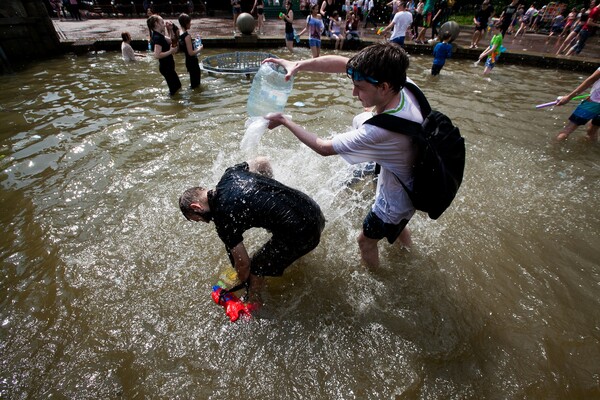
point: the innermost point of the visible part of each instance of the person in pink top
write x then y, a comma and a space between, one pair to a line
586, 31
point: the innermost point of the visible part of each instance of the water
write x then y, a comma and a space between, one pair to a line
106, 287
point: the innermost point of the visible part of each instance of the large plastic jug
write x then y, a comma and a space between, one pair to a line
269, 91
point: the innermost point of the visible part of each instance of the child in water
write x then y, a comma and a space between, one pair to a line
441, 51
493, 51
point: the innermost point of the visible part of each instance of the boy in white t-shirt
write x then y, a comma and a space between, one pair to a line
587, 112
401, 22
378, 74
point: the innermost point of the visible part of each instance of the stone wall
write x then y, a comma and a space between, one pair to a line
26, 33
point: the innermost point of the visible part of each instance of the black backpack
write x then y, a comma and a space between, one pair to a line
440, 162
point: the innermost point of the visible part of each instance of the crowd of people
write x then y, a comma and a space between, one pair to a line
570, 29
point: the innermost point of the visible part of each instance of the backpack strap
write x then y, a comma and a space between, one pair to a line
403, 125
423, 102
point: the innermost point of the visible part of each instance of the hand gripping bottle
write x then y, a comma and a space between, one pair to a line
269, 91
281, 15
198, 42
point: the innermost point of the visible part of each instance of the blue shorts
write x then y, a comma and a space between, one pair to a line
581, 39
289, 36
398, 40
314, 43
375, 228
586, 111
489, 63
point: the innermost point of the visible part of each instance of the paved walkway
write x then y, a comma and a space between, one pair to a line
218, 31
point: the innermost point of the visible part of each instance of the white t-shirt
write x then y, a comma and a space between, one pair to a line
402, 21
393, 151
127, 52
595, 93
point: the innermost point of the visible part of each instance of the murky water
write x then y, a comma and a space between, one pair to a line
106, 287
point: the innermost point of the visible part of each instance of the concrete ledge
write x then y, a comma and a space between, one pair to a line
534, 59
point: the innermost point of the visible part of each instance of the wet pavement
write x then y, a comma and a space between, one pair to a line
532, 49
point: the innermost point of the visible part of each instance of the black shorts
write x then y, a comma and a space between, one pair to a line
375, 228
281, 251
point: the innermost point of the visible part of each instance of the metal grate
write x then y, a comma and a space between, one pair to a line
239, 62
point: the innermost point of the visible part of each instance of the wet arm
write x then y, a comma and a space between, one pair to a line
488, 51
241, 261
581, 88
320, 146
158, 53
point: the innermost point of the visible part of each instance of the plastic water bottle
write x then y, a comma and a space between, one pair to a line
269, 91
149, 46
198, 42
296, 37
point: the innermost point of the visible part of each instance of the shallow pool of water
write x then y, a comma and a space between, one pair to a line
106, 287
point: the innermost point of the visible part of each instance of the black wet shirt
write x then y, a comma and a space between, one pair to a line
244, 200
159, 38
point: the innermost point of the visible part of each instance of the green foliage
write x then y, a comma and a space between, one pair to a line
463, 19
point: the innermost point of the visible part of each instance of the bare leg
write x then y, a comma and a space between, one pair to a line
421, 37
404, 240
475, 39
567, 130
592, 132
369, 252
314, 50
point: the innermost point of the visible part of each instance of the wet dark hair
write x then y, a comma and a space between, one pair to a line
184, 21
191, 195
125, 36
386, 62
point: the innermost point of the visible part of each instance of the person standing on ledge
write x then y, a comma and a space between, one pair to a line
247, 197
378, 74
